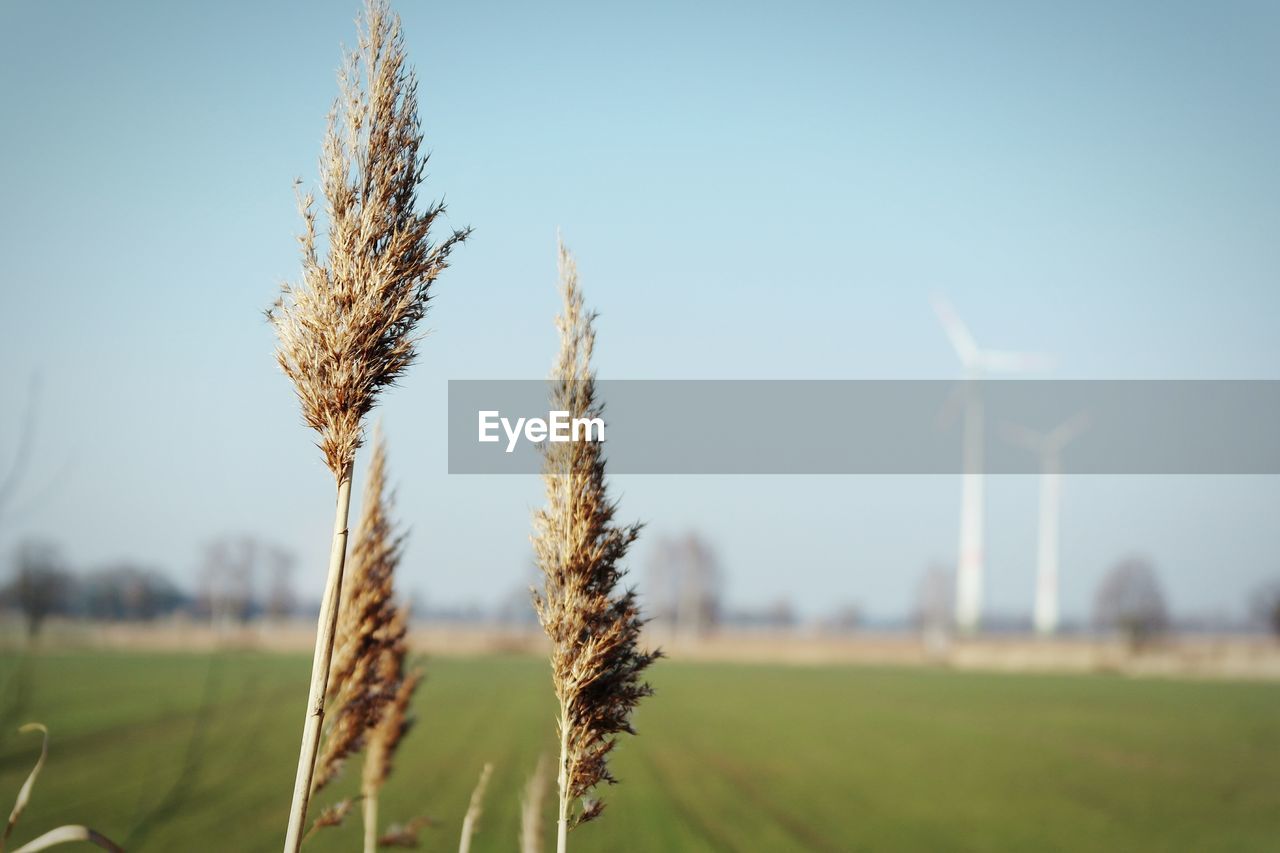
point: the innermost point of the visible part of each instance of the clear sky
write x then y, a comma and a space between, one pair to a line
753, 191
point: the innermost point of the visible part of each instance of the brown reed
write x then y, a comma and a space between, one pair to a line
383, 741
346, 330
594, 627
404, 835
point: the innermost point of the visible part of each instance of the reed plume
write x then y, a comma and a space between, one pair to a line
369, 689
331, 815
594, 627
346, 330
403, 835
383, 741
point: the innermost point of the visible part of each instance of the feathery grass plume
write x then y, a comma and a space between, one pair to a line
61, 835
331, 815
594, 628
347, 329
474, 809
383, 741
531, 806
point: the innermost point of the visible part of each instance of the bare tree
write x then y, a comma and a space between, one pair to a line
780, 614
244, 577
1264, 606
687, 585
1130, 601
227, 580
281, 598
845, 619
41, 586
128, 592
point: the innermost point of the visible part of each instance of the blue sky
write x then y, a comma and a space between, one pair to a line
753, 191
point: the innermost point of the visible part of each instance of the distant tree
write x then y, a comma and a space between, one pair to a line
685, 585
1130, 600
1264, 606
127, 592
281, 601
846, 619
226, 590
41, 586
515, 608
233, 569
781, 614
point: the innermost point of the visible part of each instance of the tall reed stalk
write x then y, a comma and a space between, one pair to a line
594, 627
346, 330
369, 689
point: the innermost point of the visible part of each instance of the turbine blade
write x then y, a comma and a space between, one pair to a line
957, 332
1013, 362
1066, 432
1022, 436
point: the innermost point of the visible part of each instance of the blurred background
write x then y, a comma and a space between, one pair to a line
753, 191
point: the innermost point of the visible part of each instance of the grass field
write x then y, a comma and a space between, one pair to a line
192, 753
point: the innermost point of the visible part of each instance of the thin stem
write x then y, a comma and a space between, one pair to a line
371, 820
326, 628
473, 810
562, 782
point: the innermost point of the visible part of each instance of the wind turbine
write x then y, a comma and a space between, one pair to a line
1048, 446
977, 363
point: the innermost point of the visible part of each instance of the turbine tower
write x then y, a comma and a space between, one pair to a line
977, 363
1048, 446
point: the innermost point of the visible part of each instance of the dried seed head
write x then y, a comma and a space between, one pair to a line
594, 627
404, 835
346, 330
386, 736
332, 815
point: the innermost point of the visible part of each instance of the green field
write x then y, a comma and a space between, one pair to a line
191, 753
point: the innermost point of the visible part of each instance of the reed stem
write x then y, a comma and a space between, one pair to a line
326, 628
371, 820
562, 784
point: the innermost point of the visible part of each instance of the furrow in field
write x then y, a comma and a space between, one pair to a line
682, 799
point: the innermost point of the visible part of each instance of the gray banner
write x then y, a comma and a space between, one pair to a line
889, 426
